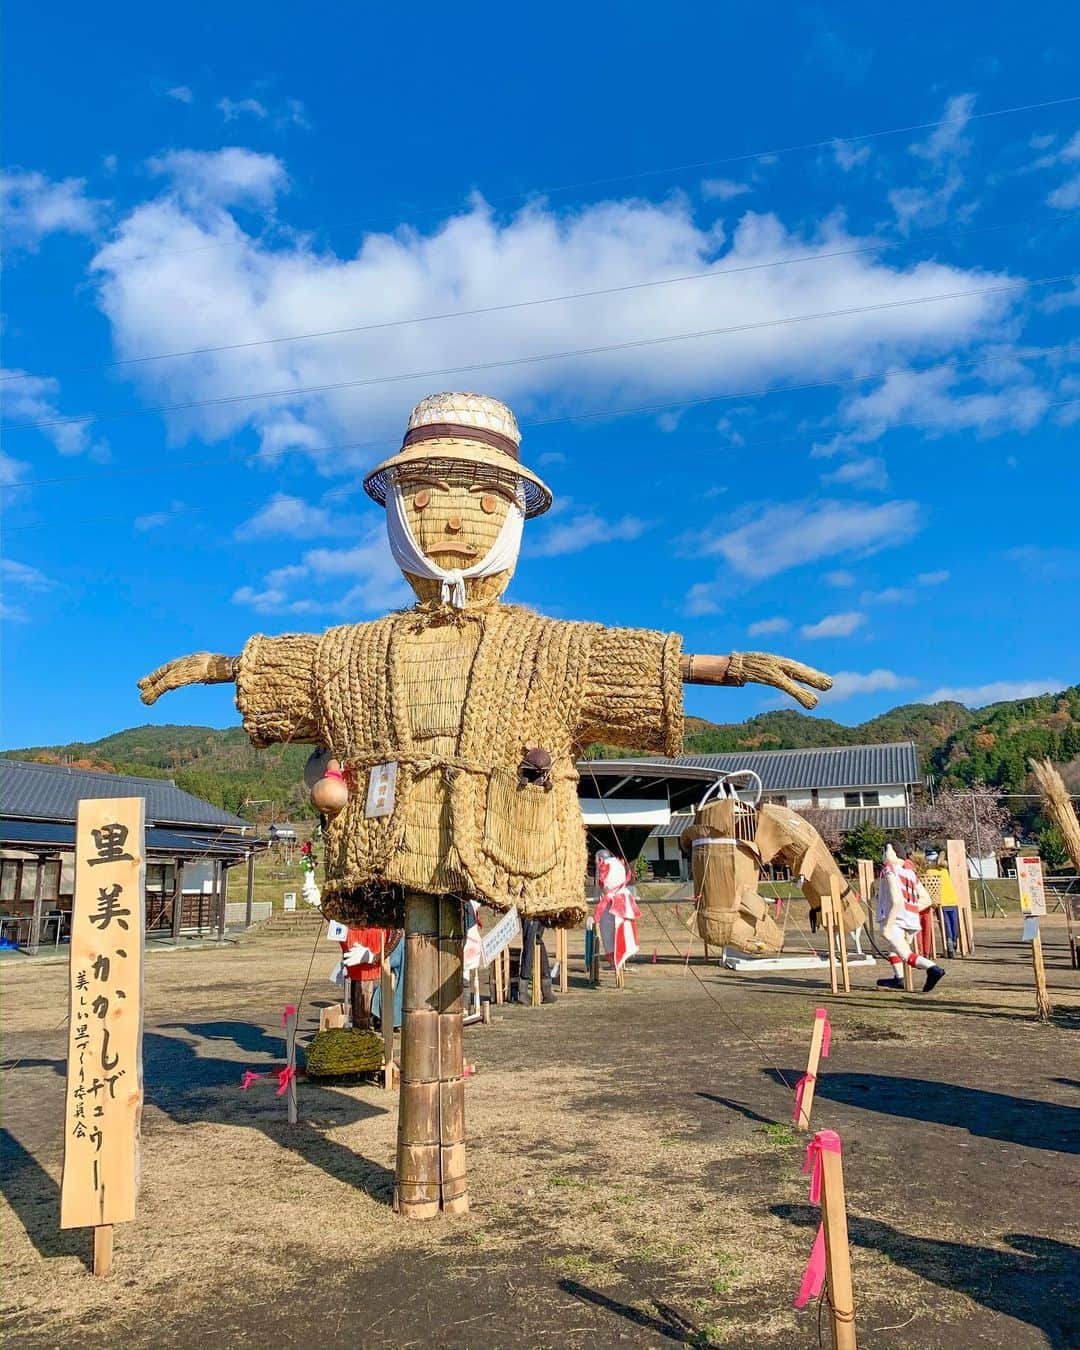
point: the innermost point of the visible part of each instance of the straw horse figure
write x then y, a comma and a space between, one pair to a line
457, 724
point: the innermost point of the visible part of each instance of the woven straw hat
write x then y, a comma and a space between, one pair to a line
470, 428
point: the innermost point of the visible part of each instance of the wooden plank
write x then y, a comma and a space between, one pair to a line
221, 889
866, 889
534, 970
178, 901
837, 1252
830, 943
249, 917
1042, 997
837, 909
564, 971
956, 852
104, 1081
35, 922
103, 1249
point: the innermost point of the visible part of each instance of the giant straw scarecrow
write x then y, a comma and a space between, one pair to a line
457, 724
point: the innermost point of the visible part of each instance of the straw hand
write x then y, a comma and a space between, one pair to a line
757, 668
199, 668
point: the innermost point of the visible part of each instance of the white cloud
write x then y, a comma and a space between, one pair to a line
940, 400
151, 521
11, 470
782, 537
291, 516
848, 155
929, 202
997, 691
380, 585
1067, 195
239, 289
947, 139
31, 398
891, 595
702, 598
847, 683
34, 206
840, 578
869, 472
181, 93
231, 109
551, 457
834, 625
932, 578
23, 575
764, 626
230, 177
584, 531
723, 189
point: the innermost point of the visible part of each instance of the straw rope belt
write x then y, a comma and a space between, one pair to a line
424, 764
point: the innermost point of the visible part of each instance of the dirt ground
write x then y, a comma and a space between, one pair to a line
635, 1178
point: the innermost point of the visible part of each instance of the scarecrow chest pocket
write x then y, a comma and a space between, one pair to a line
521, 829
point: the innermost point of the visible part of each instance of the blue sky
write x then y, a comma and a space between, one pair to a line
888, 492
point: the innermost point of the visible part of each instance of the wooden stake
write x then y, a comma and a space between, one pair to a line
830, 930
1042, 997
866, 889
837, 909
562, 948
103, 1249
290, 1060
837, 1252
495, 979
817, 1037
534, 990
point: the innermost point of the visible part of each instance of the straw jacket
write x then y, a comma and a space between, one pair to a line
533, 682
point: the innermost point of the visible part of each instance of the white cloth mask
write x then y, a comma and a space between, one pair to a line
501, 557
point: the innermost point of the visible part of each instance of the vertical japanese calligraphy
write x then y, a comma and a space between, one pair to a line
104, 1075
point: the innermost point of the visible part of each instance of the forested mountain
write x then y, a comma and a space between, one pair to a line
958, 745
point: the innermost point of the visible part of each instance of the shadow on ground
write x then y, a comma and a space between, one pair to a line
1037, 1281
991, 1115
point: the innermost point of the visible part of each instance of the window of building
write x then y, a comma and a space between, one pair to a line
853, 799
868, 798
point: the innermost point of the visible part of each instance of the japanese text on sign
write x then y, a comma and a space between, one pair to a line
104, 1077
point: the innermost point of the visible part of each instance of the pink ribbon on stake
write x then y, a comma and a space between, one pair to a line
800, 1088
289, 1008
284, 1078
249, 1077
825, 1141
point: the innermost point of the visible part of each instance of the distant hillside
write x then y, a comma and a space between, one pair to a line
957, 745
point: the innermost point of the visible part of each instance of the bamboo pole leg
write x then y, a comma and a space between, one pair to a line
416, 1173
453, 1183
103, 1249
534, 984
837, 1252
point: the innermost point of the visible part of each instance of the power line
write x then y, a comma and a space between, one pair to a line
600, 414
877, 247
512, 362
637, 175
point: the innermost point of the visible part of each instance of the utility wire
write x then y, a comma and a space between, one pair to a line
707, 275
1035, 353
639, 174
512, 362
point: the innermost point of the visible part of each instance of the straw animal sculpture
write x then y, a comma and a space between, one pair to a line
1059, 806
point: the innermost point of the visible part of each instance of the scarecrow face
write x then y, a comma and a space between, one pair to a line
455, 512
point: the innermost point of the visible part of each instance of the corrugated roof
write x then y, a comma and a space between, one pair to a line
52, 792
60, 835
841, 766
888, 817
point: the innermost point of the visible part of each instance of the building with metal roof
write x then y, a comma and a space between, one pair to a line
642, 805
190, 847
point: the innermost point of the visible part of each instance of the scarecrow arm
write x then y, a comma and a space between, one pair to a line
200, 668
757, 668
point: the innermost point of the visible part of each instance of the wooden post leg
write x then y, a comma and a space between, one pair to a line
534, 986
837, 1252
430, 1172
837, 909
564, 973
830, 940
1042, 997
103, 1249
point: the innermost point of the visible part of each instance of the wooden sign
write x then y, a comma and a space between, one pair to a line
104, 1078
500, 935
1029, 875
956, 852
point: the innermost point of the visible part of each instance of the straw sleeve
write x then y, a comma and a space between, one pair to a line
633, 693
275, 688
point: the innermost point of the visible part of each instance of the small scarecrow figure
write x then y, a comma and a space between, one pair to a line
456, 726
